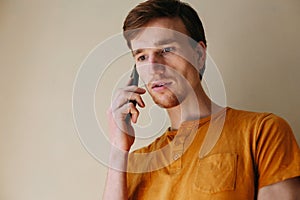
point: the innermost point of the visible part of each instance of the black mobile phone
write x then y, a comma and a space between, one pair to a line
135, 76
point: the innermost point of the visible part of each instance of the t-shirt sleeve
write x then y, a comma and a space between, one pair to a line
277, 153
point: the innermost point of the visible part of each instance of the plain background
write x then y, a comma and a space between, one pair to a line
42, 44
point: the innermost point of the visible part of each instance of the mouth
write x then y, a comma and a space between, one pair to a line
160, 85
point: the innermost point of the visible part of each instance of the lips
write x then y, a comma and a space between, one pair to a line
160, 84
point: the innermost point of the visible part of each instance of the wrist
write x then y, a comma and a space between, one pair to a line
118, 159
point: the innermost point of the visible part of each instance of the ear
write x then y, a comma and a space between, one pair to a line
201, 55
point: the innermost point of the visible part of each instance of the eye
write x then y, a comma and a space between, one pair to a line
168, 49
141, 58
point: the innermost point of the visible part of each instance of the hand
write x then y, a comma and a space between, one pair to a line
121, 131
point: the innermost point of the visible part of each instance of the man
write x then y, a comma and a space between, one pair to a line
209, 152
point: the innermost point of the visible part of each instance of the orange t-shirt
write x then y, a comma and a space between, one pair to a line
254, 150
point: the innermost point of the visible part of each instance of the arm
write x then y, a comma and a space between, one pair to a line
278, 159
122, 138
287, 190
116, 181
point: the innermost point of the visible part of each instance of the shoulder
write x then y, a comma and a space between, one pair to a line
274, 149
261, 132
247, 115
258, 120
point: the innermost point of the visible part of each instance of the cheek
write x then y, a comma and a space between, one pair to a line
143, 74
189, 56
189, 76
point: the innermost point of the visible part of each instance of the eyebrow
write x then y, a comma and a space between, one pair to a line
158, 43
166, 41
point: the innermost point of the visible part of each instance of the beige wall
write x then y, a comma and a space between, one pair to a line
42, 44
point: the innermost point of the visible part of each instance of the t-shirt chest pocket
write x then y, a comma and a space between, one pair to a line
216, 173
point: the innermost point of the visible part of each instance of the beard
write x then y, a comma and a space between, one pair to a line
168, 98
176, 88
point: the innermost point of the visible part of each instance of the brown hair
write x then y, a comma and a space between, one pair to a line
151, 9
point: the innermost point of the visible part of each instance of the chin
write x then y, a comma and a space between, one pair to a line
166, 102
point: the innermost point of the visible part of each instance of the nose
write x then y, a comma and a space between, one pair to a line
156, 68
156, 63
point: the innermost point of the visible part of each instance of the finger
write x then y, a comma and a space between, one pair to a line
134, 113
121, 118
135, 95
126, 110
124, 97
134, 88
131, 114
136, 98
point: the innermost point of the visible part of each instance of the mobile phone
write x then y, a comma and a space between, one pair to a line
135, 76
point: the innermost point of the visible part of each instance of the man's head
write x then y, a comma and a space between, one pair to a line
151, 9
168, 42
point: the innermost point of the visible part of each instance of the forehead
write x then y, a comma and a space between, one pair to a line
159, 32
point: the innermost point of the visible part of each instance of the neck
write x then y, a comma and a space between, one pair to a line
192, 108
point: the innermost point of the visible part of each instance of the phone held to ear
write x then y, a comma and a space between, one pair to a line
135, 81
135, 76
